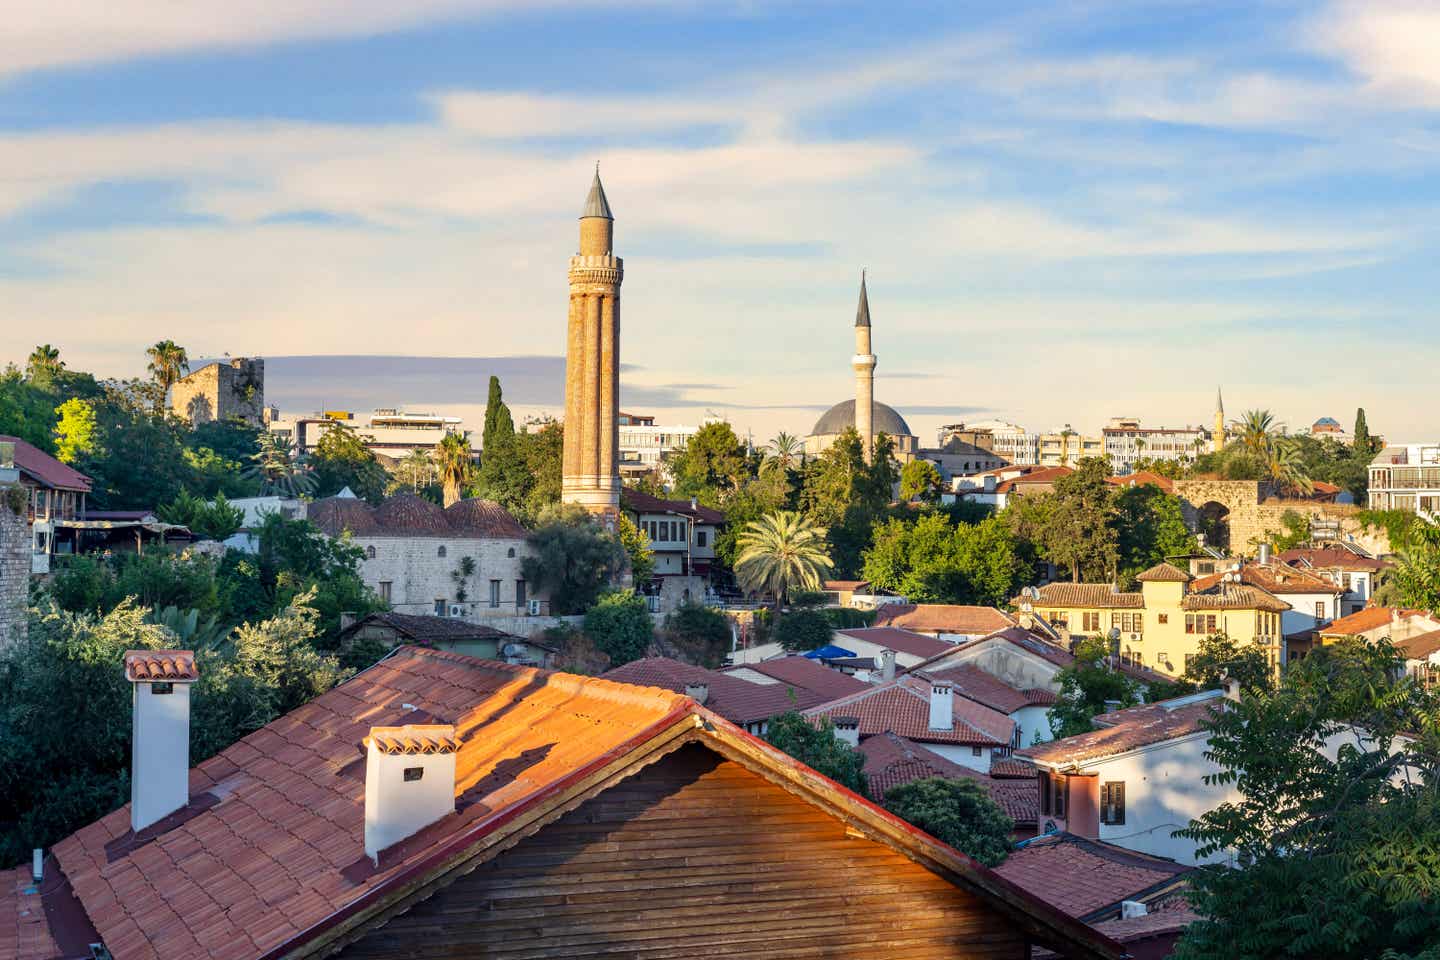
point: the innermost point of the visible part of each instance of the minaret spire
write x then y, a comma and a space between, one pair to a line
1217, 438
864, 364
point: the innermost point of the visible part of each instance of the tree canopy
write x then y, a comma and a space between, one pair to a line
573, 558
959, 812
815, 745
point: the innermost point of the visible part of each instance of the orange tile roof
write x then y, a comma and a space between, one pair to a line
24, 931
1101, 595
1363, 621
1141, 478
970, 681
414, 738
1130, 729
1420, 647
1164, 572
1043, 475
1085, 877
142, 665
1233, 596
903, 706
1336, 558
943, 618
269, 859
734, 698
1274, 578
895, 638
805, 674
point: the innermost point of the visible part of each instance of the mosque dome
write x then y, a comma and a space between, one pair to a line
842, 415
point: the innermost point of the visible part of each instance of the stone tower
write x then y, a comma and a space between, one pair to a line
592, 364
864, 364
1217, 439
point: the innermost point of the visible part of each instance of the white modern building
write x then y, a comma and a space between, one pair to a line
1126, 441
387, 432
645, 445
1406, 477
682, 541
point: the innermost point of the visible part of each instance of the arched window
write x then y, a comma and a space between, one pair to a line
370, 553
510, 553
440, 552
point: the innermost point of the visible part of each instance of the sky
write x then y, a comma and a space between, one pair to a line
1068, 211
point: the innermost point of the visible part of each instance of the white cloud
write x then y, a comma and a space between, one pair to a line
1393, 44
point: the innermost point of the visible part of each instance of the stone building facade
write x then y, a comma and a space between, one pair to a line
414, 557
591, 461
14, 560
221, 390
1235, 515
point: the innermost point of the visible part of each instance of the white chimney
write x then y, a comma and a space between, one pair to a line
409, 782
1232, 689
699, 692
847, 730
1264, 553
1130, 909
990, 483
942, 706
160, 732
887, 665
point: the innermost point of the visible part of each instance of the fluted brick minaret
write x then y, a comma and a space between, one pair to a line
1217, 439
592, 363
864, 364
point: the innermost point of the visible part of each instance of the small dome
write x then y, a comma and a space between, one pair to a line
406, 513
842, 415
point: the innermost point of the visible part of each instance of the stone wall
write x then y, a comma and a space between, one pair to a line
419, 575
1252, 519
219, 391
14, 571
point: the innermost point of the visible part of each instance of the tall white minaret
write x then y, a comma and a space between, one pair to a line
864, 364
1217, 439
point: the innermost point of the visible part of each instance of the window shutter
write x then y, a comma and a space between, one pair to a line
1112, 803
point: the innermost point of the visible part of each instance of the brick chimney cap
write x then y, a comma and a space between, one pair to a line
148, 666
414, 738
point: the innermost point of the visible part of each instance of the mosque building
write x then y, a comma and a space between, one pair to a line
867, 415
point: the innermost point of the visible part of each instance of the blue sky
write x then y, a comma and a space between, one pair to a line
1068, 211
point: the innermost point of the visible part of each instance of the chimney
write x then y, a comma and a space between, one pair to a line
699, 692
1232, 689
160, 732
409, 782
887, 665
1264, 553
847, 730
694, 503
942, 706
989, 483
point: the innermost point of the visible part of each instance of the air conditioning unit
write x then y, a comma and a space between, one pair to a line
457, 610
653, 603
534, 608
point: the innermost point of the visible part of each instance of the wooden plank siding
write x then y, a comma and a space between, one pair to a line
695, 856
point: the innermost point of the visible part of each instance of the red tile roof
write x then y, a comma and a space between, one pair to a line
160, 665
1420, 647
943, 618
45, 469
737, 700
1100, 595
1363, 621
1043, 475
1274, 578
805, 674
1130, 729
24, 931
892, 638
1085, 877
972, 682
1141, 478
1232, 596
406, 515
1330, 558
903, 706
269, 859
892, 760
414, 738
1013, 768
1170, 917
1164, 572
846, 585
637, 502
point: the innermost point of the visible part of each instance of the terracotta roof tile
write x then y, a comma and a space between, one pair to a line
1330, 558
737, 700
892, 760
943, 618
902, 706
1130, 729
972, 682
1420, 647
411, 738
406, 515
1233, 596
1101, 595
1274, 578
638, 502
419, 628
45, 469
1084, 877
893, 638
155, 665
1164, 573
1363, 621
805, 674
1142, 477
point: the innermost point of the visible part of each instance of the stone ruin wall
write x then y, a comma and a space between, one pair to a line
14, 568
222, 390
1252, 519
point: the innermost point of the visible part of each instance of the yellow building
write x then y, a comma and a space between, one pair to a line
1161, 625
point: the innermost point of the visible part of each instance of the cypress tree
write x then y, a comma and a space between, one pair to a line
499, 425
1361, 443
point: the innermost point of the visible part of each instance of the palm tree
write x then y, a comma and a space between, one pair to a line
44, 362
453, 462
781, 553
168, 363
1256, 430
277, 468
417, 464
1065, 436
784, 452
1285, 468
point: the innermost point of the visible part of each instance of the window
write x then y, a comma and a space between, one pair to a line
1163, 618
1058, 801
494, 593
1112, 803
1045, 793
369, 553
974, 751
440, 552
510, 553
1320, 610
699, 538
162, 688
1090, 621
439, 606
385, 587
519, 593
414, 773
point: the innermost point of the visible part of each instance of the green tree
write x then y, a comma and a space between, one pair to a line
417, 467
499, 424
803, 629
621, 627
1361, 441
920, 480
77, 435
573, 559
959, 812
637, 549
1089, 687
842, 493
814, 744
168, 363
1416, 574
784, 453
1080, 533
1218, 658
781, 553
44, 364
930, 560
342, 460
711, 465
1149, 526
699, 634
1337, 819
454, 464
278, 470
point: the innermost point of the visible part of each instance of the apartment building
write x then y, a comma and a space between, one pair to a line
387, 432
1126, 441
1406, 477
645, 445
